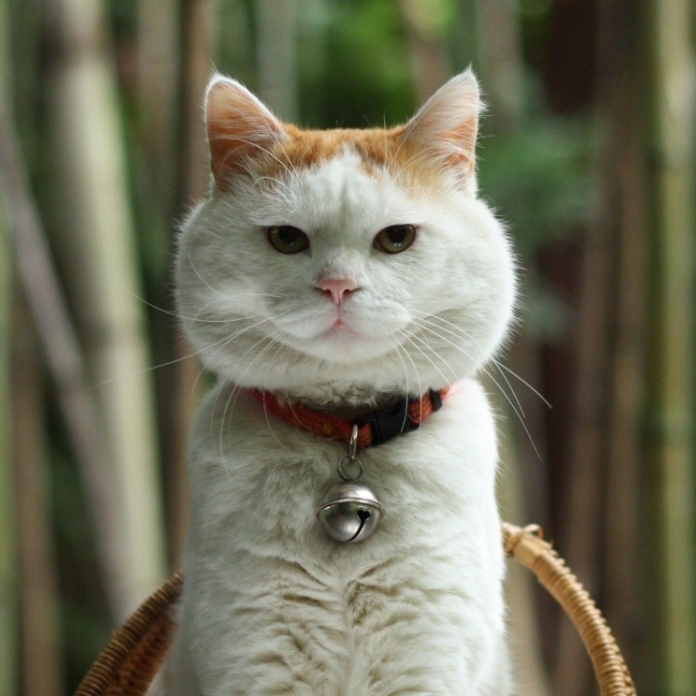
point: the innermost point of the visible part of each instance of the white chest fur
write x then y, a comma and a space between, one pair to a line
273, 606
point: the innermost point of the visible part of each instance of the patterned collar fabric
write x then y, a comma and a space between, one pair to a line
374, 428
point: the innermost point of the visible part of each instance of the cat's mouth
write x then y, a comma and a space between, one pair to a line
338, 338
341, 330
351, 328
316, 326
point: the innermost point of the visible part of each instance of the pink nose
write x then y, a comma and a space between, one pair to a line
337, 289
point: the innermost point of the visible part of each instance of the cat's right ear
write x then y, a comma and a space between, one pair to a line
239, 128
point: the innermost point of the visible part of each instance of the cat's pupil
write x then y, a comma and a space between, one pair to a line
397, 235
288, 235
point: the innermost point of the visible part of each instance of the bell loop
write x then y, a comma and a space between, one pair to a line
353, 444
351, 459
352, 462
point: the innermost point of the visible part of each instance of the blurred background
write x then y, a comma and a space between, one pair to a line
587, 151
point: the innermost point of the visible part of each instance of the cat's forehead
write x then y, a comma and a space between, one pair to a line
340, 190
345, 178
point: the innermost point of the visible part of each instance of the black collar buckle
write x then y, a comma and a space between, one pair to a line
386, 423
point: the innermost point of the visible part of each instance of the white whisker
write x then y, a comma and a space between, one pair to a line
517, 410
534, 391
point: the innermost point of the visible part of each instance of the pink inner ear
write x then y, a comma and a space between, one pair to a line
230, 149
461, 145
240, 128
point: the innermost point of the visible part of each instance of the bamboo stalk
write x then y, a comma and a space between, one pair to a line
500, 59
583, 517
618, 97
178, 381
522, 615
196, 45
675, 95
425, 43
607, 460
98, 254
276, 37
158, 65
62, 354
500, 62
8, 570
42, 670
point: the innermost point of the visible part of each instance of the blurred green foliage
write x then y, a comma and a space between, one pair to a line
365, 78
538, 177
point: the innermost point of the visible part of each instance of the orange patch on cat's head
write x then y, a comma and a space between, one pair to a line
378, 149
303, 149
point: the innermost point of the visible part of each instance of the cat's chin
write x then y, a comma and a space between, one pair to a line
341, 345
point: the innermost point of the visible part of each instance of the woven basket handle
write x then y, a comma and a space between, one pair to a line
137, 650
527, 546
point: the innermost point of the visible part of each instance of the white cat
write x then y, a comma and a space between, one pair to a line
340, 271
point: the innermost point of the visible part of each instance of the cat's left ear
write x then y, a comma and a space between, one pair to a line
240, 128
447, 124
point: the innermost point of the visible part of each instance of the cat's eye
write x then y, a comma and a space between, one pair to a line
395, 238
287, 239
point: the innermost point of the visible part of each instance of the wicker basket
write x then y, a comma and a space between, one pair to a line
136, 651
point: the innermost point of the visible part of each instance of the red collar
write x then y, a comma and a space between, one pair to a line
374, 428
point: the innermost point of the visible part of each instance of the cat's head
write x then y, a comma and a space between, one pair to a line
344, 256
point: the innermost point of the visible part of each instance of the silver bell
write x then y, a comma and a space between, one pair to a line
350, 511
